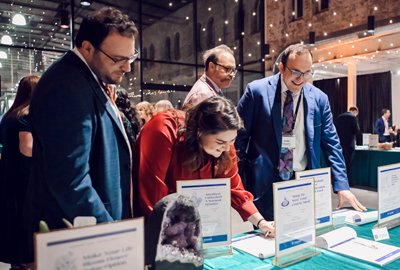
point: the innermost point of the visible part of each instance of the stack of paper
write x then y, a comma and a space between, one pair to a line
255, 244
346, 242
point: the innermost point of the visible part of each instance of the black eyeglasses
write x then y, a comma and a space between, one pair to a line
228, 71
306, 75
124, 59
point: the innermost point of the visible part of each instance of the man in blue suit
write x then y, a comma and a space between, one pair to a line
285, 104
382, 126
81, 155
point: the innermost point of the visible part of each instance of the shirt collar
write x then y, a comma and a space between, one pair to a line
76, 51
215, 86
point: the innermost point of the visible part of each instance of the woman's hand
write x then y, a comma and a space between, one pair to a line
267, 227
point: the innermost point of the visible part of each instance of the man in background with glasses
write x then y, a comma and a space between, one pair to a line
220, 70
287, 106
81, 155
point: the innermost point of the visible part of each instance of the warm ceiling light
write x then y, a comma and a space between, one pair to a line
64, 18
3, 55
85, 3
6, 39
18, 19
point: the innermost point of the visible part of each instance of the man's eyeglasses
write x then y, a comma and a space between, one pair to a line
228, 71
306, 75
124, 59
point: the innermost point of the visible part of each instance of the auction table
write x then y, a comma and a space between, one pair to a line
364, 171
326, 260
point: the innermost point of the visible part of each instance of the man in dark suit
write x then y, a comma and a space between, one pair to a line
347, 129
382, 126
286, 105
81, 155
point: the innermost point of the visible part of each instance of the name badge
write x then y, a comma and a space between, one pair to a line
288, 141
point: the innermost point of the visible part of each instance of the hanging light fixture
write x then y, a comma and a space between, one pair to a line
64, 18
18, 19
85, 3
6, 39
312, 38
3, 55
371, 24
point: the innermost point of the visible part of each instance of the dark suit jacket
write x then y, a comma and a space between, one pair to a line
347, 129
259, 145
81, 161
380, 128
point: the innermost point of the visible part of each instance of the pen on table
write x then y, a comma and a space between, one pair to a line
267, 233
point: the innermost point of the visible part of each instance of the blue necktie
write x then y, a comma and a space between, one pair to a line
286, 160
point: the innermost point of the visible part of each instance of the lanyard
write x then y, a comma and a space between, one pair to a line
297, 109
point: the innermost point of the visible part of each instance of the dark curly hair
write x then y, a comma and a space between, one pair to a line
128, 114
97, 26
213, 115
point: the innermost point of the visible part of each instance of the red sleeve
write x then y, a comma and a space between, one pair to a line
157, 139
241, 200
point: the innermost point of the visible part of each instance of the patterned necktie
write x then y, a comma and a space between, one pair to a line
286, 161
109, 93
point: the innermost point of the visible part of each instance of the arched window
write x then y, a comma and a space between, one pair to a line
167, 48
199, 49
256, 18
210, 33
152, 54
177, 45
144, 57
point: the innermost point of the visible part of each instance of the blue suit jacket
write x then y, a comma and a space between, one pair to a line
81, 161
259, 145
380, 128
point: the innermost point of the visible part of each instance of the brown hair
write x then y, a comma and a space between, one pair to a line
212, 55
146, 107
98, 25
298, 49
20, 106
213, 115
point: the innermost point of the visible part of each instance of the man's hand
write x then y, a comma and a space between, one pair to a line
346, 195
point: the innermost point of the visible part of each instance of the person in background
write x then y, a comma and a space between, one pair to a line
15, 167
347, 128
198, 145
220, 71
382, 126
146, 111
81, 163
163, 105
393, 136
287, 105
128, 114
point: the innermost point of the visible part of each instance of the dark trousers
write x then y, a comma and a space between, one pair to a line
348, 154
385, 139
265, 204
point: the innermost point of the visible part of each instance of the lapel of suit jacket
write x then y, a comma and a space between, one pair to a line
309, 106
96, 88
274, 97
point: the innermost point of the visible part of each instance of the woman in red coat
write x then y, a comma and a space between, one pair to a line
173, 146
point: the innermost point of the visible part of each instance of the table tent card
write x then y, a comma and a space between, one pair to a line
346, 242
365, 139
213, 200
323, 198
117, 245
374, 142
389, 196
294, 212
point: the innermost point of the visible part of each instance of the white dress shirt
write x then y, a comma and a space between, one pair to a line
386, 122
299, 153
